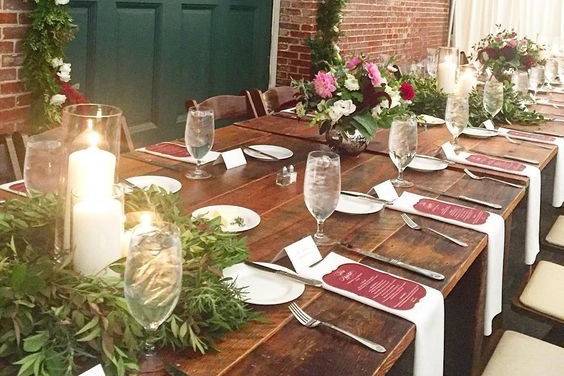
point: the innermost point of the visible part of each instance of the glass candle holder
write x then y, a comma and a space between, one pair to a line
446, 69
520, 80
97, 231
467, 78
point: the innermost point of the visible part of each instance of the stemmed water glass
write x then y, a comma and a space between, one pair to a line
432, 61
43, 163
493, 97
536, 79
199, 134
550, 71
152, 282
457, 116
322, 188
402, 145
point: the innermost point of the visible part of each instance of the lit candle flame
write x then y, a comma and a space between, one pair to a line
146, 219
93, 139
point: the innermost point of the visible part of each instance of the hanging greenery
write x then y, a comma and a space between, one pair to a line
54, 321
46, 74
324, 49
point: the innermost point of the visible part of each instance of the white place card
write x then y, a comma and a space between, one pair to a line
489, 125
96, 371
303, 254
386, 191
232, 158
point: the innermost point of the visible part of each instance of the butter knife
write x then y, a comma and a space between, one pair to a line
400, 264
369, 197
262, 153
435, 159
546, 133
282, 273
461, 197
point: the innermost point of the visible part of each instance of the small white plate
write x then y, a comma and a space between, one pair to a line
426, 164
357, 205
276, 151
229, 215
430, 120
264, 288
168, 184
475, 132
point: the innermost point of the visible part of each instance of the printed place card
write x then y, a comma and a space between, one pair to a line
96, 371
232, 158
532, 136
303, 254
489, 125
386, 191
455, 212
503, 164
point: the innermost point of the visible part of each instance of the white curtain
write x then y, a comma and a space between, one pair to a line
540, 20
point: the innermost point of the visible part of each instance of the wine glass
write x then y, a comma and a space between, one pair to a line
43, 162
536, 79
322, 188
456, 116
493, 97
198, 137
550, 71
152, 281
402, 145
431, 63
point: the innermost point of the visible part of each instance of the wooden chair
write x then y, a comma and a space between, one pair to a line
126, 141
273, 100
224, 106
7, 133
463, 58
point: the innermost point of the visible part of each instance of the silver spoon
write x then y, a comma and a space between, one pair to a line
476, 177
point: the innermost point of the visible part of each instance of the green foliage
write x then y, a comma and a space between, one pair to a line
324, 49
50, 31
54, 321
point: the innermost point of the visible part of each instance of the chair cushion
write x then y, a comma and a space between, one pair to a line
519, 355
544, 291
556, 234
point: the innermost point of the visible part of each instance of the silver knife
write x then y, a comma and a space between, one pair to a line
282, 273
554, 134
400, 264
369, 197
435, 159
461, 197
274, 158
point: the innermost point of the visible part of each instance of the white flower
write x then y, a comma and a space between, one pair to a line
64, 72
56, 62
376, 111
351, 83
61, 2
395, 95
341, 108
65, 68
58, 99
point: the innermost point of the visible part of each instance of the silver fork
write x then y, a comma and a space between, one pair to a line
413, 225
476, 177
310, 322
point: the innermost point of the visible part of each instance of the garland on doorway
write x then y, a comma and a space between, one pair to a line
323, 45
46, 74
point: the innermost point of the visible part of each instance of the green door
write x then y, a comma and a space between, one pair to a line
149, 56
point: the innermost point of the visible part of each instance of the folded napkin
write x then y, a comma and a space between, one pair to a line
475, 219
17, 187
422, 305
532, 236
176, 152
558, 190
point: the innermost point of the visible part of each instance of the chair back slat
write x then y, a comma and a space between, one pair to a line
224, 106
273, 100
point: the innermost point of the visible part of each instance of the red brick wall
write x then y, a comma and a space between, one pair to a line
403, 28
14, 100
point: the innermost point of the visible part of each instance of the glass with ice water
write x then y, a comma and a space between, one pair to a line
402, 147
200, 129
456, 116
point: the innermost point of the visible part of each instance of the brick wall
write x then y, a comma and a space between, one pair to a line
376, 27
14, 100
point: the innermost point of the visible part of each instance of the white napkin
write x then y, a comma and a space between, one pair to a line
532, 235
6, 187
558, 190
427, 314
210, 157
493, 226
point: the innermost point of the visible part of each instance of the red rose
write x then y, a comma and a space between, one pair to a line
508, 52
73, 95
528, 61
406, 91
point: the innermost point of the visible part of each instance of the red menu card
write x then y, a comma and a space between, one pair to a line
382, 288
494, 162
168, 148
532, 136
463, 214
18, 187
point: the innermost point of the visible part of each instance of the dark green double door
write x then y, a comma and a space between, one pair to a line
147, 57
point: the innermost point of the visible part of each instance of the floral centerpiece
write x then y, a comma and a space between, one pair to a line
349, 101
503, 52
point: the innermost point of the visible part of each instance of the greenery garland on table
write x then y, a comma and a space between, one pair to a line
324, 49
54, 321
46, 74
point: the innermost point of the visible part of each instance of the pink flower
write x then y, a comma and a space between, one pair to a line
353, 63
324, 84
373, 73
512, 43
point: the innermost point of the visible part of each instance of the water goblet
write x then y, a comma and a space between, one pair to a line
322, 188
431, 62
536, 79
199, 135
493, 97
456, 116
550, 72
43, 164
402, 145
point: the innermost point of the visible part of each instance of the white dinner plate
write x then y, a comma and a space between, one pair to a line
276, 151
475, 132
233, 218
264, 288
427, 164
168, 184
357, 205
430, 120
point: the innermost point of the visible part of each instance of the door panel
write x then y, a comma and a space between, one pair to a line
148, 56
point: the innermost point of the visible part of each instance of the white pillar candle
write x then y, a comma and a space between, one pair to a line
466, 83
97, 234
446, 76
